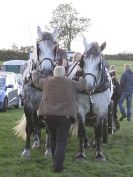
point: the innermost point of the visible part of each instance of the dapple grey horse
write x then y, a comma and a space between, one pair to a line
43, 60
100, 90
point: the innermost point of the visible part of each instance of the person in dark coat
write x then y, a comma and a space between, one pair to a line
77, 56
58, 107
116, 94
126, 83
60, 56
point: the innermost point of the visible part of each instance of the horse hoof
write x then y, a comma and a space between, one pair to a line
48, 152
26, 154
36, 145
100, 157
80, 157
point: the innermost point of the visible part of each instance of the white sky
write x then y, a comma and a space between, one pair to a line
111, 21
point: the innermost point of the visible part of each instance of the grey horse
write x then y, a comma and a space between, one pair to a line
43, 60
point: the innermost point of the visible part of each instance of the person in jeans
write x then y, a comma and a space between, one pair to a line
126, 84
58, 107
116, 94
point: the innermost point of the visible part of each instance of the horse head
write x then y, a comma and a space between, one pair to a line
45, 50
92, 63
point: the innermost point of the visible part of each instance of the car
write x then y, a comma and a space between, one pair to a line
20, 84
9, 91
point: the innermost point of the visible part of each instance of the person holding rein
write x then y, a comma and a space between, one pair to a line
58, 109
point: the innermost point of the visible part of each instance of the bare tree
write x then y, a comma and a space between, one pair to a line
69, 23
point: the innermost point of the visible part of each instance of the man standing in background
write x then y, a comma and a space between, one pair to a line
126, 84
60, 56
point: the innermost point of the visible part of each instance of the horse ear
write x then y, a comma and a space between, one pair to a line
103, 46
85, 43
39, 32
55, 33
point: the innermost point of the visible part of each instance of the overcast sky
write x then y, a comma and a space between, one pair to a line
111, 21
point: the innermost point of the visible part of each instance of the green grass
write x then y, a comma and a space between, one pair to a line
118, 152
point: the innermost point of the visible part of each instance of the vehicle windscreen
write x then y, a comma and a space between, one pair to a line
12, 68
2, 81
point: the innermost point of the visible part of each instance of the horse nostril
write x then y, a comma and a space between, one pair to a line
90, 88
43, 71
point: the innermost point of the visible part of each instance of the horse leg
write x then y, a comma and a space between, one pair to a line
110, 117
105, 130
93, 143
81, 134
36, 137
98, 135
26, 152
86, 141
36, 131
47, 144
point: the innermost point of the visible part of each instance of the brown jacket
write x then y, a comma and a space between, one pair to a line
59, 95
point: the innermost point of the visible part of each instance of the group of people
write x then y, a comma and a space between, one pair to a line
59, 93
122, 91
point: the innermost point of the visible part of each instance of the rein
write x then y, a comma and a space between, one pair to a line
86, 74
104, 83
96, 79
73, 68
101, 83
38, 51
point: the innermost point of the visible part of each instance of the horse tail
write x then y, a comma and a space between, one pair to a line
74, 129
20, 128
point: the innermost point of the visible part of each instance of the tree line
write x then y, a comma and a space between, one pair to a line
119, 56
70, 24
15, 53
20, 54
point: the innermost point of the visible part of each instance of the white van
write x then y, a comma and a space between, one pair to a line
13, 65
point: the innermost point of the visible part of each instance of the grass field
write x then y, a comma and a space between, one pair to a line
118, 152
119, 65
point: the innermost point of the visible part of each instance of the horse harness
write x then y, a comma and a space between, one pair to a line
38, 51
102, 83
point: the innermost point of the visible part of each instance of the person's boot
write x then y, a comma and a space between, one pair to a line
122, 117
